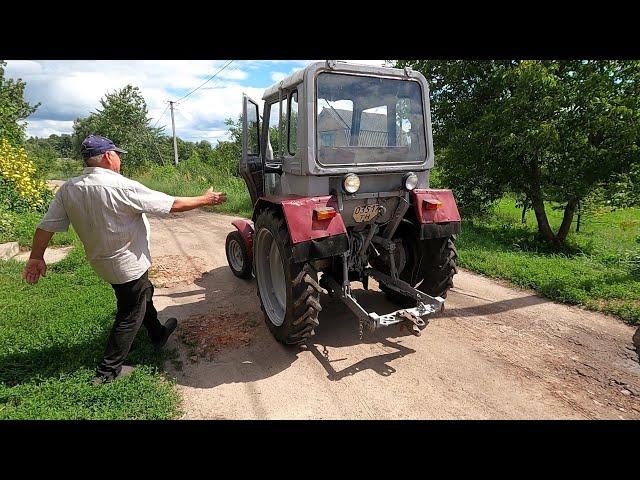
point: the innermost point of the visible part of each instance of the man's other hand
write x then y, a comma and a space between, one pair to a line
214, 198
34, 269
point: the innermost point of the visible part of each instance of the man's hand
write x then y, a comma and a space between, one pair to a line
214, 198
34, 269
183, 204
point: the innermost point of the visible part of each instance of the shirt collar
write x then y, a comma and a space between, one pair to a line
88, 170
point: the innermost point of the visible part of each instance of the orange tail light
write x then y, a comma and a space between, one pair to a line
324, 213
432, 204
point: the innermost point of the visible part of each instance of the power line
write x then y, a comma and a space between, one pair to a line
161, 115
206, 81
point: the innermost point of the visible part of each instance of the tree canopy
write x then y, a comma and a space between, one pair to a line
544, 130
123, 119
13, 108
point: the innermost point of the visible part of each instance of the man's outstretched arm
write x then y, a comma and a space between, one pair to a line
36, 267
182, 204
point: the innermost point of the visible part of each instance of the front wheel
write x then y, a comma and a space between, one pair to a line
288, 291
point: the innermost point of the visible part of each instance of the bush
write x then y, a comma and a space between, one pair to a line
7, 229
20, 190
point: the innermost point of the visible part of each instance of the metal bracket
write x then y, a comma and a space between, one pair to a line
413, 323
400, 286
401, 210
372, 321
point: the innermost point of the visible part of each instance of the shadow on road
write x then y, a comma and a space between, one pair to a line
492, 308
224, 294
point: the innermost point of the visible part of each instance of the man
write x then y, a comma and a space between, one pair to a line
108, 211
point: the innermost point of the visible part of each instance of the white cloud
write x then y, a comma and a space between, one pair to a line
277, 76
24, 67
375, 63
45, 128
202, 115
235, 74
69, 89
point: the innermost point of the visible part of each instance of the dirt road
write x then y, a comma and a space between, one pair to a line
496, 352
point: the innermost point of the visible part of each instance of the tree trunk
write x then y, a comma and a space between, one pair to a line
569, 210
537, 202
541, 216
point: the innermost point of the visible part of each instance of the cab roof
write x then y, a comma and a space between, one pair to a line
297, 77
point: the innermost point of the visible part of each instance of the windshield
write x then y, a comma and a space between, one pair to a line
368, 120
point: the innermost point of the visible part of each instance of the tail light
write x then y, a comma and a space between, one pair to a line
431, 204
324, 213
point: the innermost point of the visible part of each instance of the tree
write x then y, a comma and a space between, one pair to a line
13, 108
62, 144
123, 119
543, 130
227, 153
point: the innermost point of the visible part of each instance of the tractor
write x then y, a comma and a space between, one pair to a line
337, 168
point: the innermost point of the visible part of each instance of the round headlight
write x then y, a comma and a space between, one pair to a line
410, 181
351, 183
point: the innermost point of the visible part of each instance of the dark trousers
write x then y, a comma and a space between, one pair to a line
135, 308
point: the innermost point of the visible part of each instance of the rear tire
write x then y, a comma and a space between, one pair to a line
441, 256
430, 266
238, 255
288, 292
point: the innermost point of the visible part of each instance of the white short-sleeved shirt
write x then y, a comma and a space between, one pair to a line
107, 211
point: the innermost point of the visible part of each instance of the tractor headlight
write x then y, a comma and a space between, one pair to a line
410, 181
351, 183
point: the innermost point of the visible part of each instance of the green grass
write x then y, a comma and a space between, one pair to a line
53, 334
187, 182
598, 269
20, 228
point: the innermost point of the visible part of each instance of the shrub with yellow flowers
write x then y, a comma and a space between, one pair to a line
19, 188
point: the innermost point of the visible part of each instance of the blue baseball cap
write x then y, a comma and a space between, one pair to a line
95, 145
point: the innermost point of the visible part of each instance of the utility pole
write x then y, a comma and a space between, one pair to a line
175, 144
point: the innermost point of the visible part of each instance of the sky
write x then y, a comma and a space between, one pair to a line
69, 89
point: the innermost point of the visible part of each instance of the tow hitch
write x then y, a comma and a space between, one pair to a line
409, 317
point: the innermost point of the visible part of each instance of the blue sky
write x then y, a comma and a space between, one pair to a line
68, 89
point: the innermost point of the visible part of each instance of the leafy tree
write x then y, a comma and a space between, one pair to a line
235, 130
42, 153
62, 144
13, 108
123, 119
228, 153
624, 191
543, 130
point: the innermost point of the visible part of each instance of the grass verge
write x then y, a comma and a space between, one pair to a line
20, 227
53, 334
598, 269
191, 180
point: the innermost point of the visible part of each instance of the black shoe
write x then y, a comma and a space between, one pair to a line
169, 326
125, 371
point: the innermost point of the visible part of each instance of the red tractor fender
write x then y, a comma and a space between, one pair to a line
245, 228
435, 206
301, 221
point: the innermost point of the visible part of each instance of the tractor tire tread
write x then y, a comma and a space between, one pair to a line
303, 299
